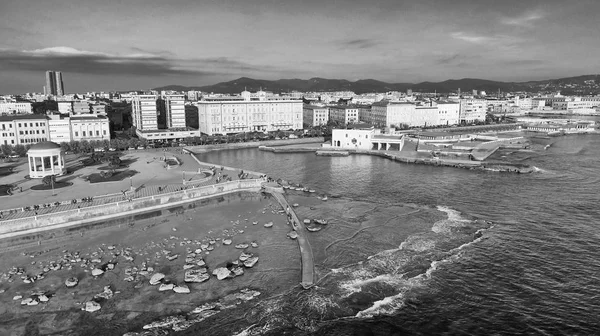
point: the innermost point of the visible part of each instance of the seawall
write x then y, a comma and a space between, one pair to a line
28, 225
253, 144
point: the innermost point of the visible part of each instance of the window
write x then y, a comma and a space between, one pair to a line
19, 124
21, 132
83, 133
37, 124
76, 133
30, 124
43, 132
38, 132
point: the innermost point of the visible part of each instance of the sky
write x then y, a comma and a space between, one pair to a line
102, 45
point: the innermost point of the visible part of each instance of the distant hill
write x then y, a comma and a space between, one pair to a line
585, 83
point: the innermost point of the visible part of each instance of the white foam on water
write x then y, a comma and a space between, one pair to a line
355, 285
385, 306
454, 220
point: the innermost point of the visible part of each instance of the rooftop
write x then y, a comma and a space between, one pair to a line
23, 117
44, 145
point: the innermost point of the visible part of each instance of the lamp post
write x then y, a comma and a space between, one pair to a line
130, 183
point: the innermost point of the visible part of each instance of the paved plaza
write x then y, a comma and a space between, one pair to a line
153, 178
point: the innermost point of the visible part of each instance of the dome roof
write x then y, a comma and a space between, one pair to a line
44, 145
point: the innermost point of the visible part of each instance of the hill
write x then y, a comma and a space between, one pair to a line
582, 84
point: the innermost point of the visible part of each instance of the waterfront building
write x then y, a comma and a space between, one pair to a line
361, 137
247, 113
315, 115
174, 110
15, 108
54, 84
144, 111
46, 159
472, 110
343, 114
23, 129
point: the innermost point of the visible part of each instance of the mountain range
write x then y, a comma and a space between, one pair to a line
580, 84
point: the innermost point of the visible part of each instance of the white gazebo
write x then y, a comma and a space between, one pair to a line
46, 158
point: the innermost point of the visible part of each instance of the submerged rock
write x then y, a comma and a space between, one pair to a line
254, 244
97, 272
241, 246
227, 241
292, 235
268, 225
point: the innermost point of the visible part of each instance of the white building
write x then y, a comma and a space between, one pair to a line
365, 139
144, 112
472, 110
448, 113
59, 128
90, 128
247, 113
15, 108
23, 129
397, 114
315, 115
175, 111
344, 114
65, 107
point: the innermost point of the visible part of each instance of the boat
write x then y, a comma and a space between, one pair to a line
320, 221
314, 229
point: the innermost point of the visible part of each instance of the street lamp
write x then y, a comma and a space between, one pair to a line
130, 182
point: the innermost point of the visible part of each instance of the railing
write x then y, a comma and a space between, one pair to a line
126, 205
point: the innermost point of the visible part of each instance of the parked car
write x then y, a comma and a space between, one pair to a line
141, 147
131, 148
112, 149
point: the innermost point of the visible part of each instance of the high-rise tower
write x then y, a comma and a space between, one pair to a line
54, 83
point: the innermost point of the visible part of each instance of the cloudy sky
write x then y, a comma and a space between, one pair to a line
138, 44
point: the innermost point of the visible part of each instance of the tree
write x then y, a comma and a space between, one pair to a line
74, 146
114, 162
133, 142
6, 150
49, 180
20, 150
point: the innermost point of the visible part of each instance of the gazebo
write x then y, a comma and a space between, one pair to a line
46, 158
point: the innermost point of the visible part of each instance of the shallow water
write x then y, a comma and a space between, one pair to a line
535, 271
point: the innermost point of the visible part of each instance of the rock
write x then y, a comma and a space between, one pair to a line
156, 278
17, 297
172, 257
43, 298
210, 248
268, 225
255, 222
306, 221
110, 266
129, 278
106, 294
165, 287
244, 256
237, 271
204, 307
251, 262
97, 261
71, 282
204, 246
241, 246
201, 262
26, 301
91, 306
111, 247
292, 234
227, 241
188, 266
222, 273
97, 272
212, 242
182, 289
295, 205
200, 275
33, 302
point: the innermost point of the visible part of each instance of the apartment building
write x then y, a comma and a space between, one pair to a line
315, 115
144, 112
174, 108
472, 110
15, 108
344, 114
23, 129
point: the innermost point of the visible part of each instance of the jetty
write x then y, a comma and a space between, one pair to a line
306, 254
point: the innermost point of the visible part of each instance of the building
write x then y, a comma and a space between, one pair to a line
15, 108
46, 159
99, 109
145, 113
59, 127
23, 129
472, 110
174, 109
81, 107
54, 84
247, 113
315, 115
364, 114
448, 113
343, 114
392, 114
362, 138
65, 107
191, 116
89, 128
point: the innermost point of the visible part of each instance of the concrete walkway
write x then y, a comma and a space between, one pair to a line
308, 265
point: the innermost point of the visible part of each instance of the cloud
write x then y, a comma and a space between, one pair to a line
524, 20
138, 63
359, 43
478, 39
506, 43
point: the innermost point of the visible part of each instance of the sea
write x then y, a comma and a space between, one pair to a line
517, 254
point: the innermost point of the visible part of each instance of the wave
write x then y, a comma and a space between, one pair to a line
454, 220
385, 306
